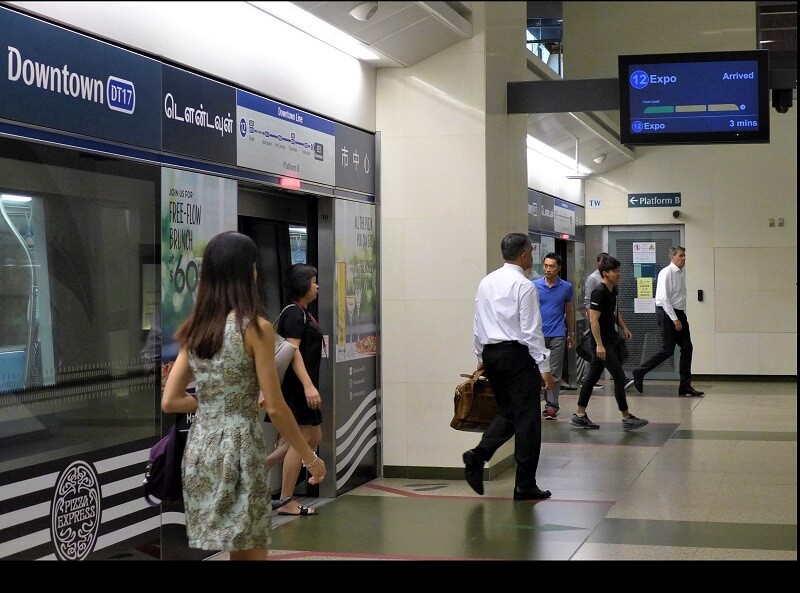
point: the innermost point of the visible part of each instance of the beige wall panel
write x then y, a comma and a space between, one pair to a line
755, 310
443, 342
435, 191
595, 33
394, 176
394, 275
755, 269
736, 355
443, 263
395, 429
772, 350
394, 341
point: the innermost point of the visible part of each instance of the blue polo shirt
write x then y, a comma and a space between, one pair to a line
552, 301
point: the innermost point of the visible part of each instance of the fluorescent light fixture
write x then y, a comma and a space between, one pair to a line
552, 153
16, 199
311, 25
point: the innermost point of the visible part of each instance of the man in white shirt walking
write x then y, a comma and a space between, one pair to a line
510, 348
671, 310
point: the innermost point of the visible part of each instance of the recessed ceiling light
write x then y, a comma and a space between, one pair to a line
364, 11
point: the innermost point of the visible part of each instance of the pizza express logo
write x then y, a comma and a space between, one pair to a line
75, 512
117, 93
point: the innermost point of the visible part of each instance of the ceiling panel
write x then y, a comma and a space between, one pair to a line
405, 33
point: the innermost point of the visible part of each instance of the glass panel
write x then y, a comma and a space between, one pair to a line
297, 242
79, 292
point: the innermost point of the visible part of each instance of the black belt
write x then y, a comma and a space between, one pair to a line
505, 343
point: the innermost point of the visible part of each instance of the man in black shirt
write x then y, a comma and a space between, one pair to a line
603, 316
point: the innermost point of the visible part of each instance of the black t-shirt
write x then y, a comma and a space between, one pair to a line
298, 323
605, 301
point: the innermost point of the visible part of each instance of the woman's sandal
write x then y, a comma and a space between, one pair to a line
303, 511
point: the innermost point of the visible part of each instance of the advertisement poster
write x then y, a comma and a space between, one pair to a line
356, 258
194, 208
357, 343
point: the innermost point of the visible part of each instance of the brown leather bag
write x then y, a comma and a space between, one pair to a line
474, 403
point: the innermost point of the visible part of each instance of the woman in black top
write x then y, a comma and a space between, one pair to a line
301, 384
602, 319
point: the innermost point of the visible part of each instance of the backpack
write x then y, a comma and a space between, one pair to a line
162, 477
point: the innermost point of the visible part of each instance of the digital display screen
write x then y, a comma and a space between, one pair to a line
698, 98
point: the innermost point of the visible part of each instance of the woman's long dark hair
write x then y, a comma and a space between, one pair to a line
226, 284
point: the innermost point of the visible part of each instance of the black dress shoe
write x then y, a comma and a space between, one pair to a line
690, 392
531, 494
473, 471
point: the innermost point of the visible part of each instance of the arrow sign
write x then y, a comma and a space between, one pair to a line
670, 200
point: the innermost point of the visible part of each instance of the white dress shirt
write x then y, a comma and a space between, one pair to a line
671, 290
507, 310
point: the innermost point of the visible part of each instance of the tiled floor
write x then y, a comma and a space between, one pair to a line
710, 478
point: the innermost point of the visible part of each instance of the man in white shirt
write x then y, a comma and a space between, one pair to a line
671, 310
510, 348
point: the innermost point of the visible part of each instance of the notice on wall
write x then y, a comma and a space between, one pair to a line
645, 270
536, 254
194, 208
644, 305
644, 288
644, 253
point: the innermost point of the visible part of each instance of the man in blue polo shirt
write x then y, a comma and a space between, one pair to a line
558, 324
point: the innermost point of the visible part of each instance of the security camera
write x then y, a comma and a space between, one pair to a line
782, 99
676, 214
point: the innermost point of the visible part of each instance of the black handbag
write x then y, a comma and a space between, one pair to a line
162, 476
585, 346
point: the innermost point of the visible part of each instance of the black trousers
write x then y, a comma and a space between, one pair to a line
516, 383
595, 369
669, 339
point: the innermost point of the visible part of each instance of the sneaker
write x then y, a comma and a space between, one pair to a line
638, 381
632, 422
550, 414
628, 382
598, 386
584, 422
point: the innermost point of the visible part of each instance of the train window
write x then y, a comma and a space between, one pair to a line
79, 238
297, 241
